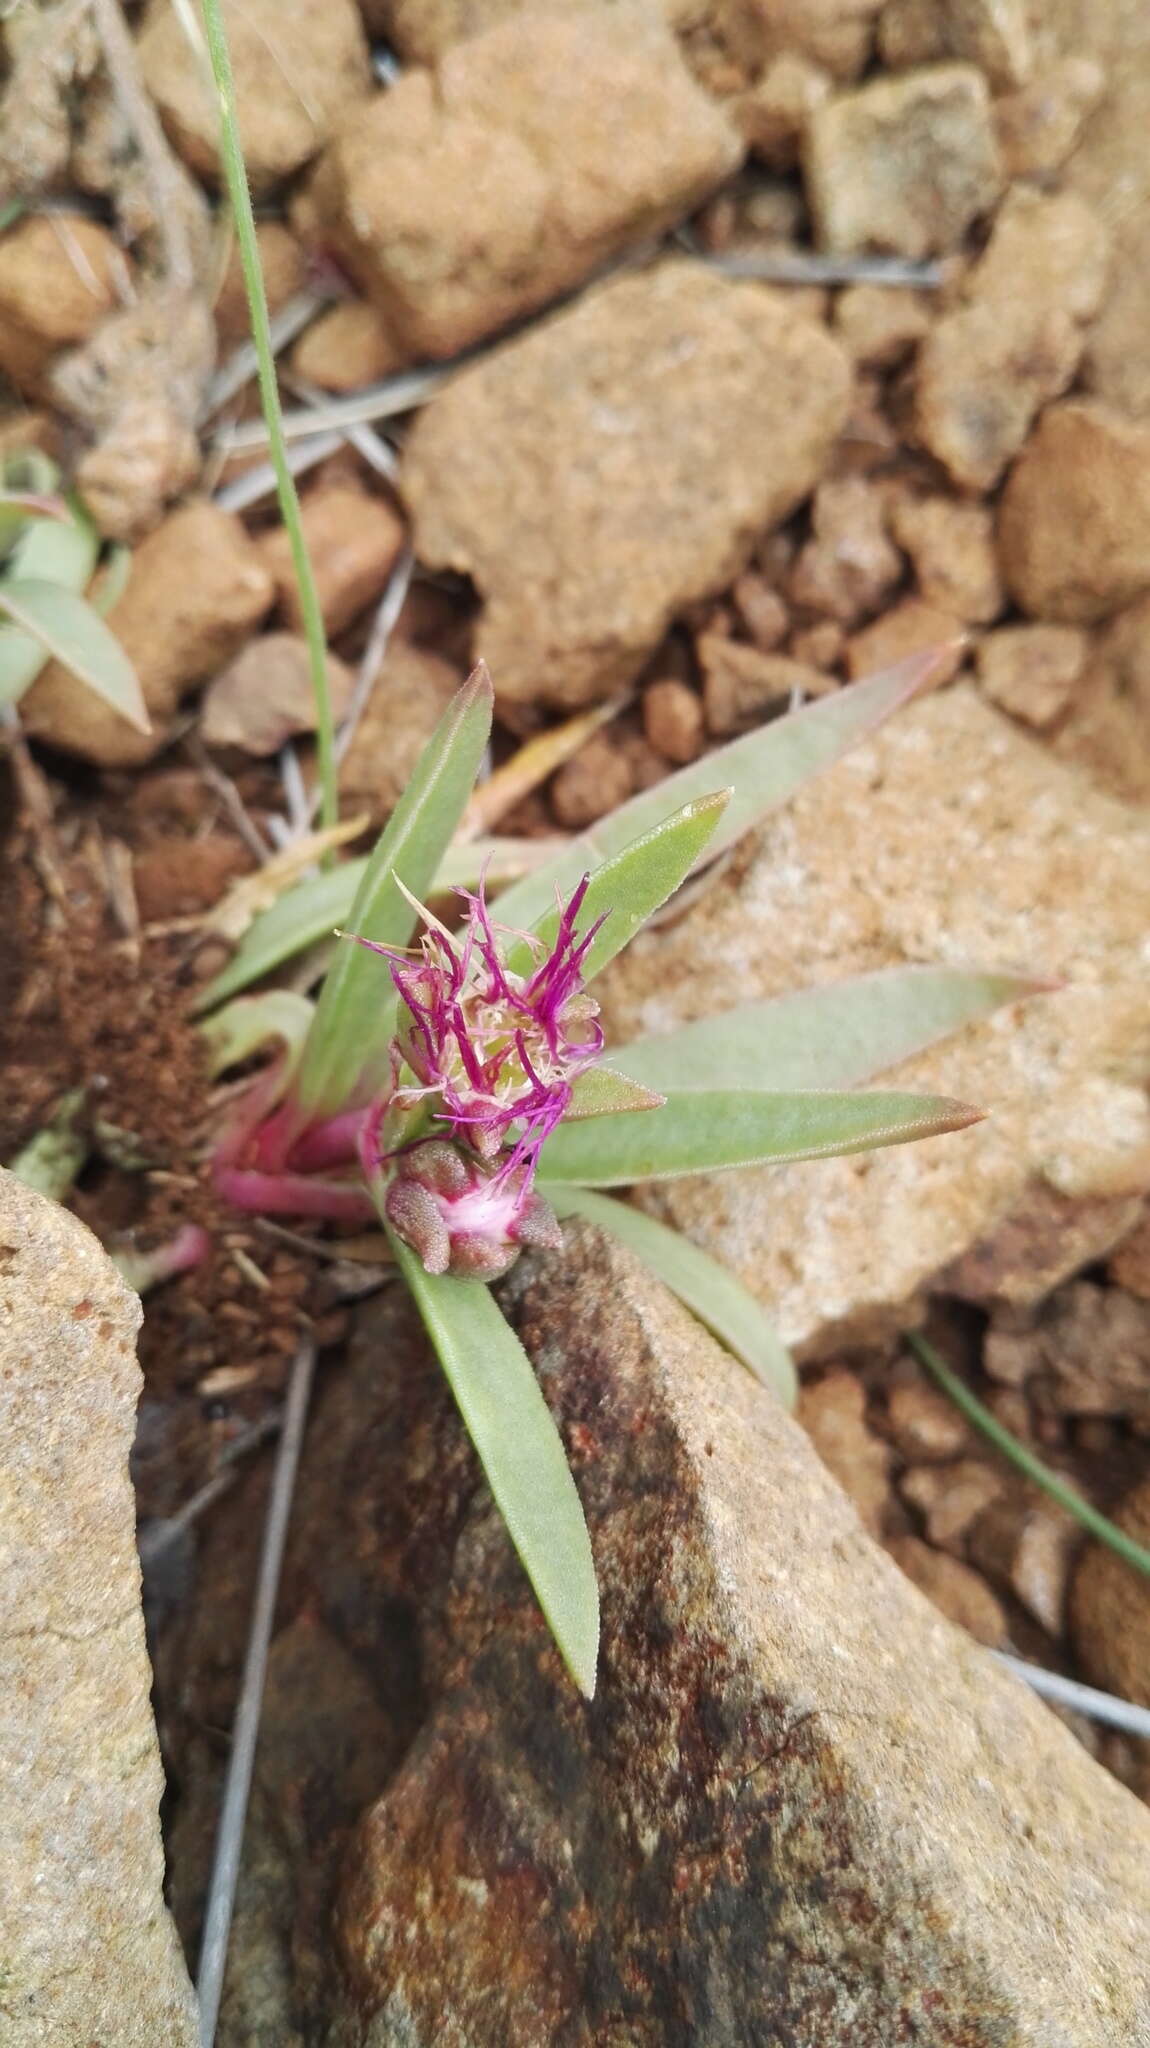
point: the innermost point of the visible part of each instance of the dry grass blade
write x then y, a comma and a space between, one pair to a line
241, 365
1082, 1699
532, 764
260, 482
234, 912
245, 1730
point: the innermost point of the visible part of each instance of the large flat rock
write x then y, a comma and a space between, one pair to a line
948, 838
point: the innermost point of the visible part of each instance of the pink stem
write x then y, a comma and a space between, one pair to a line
291, 1194
331, 1143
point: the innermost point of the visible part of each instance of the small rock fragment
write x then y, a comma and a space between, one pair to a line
740, 683
1031, 671
1074, 520
819, 647
463, 198
1092, 1349
926, 1427
761, 609
950, 1498
992, 34
265, 697
354, 542
905, 164
1039, 126
1106, 730
879, 324
985, 370
771, 117
911, 627
849, 565
347, 347
1129, 1266
60, 274
591, 783
1110, 1607
957, 1591
299, 66
835, 35
195, 590
655, 490
833, 1413
952, 548
673, 720
283, 266
408, 698
1110, 169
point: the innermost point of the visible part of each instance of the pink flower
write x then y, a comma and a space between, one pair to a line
496, 1047
464, 1217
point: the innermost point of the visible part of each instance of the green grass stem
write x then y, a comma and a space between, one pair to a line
236, 179
969, 1404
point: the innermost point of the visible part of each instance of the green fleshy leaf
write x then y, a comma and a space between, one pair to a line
60, 552
249, 1023
713, 1129
762, 770
634, 882
712, 1293
68, 628
601, 1091
836, 1036
347, 1048
521, 1452
17, 508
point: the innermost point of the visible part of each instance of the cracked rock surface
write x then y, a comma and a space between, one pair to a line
89, 1958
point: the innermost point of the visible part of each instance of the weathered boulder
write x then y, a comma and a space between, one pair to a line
951, 838
89, 1955
802, 1808
621, 496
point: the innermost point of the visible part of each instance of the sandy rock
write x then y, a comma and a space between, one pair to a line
939, 840
833, 1413
408, 698
836, 35
994, 35
740, 684
591, 783
654, 489
778, 1711
950, 1498
849, 565
951, 1586
1039, 127
60, 274
347, 347
1026, 1255
985, 370
89, 1951
926, 1427
1031, 671
1028, 1547
1074, 520
1090, 1351
283, 266
952, 548
1111, 171
819, 647
910, 627
195, 591
1129, 1266
354, 542
772, 116
1110, 1608
264, 697
673, 720
904, 164
300, 66
564, 146
879, 324
1106, 729
761, 610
